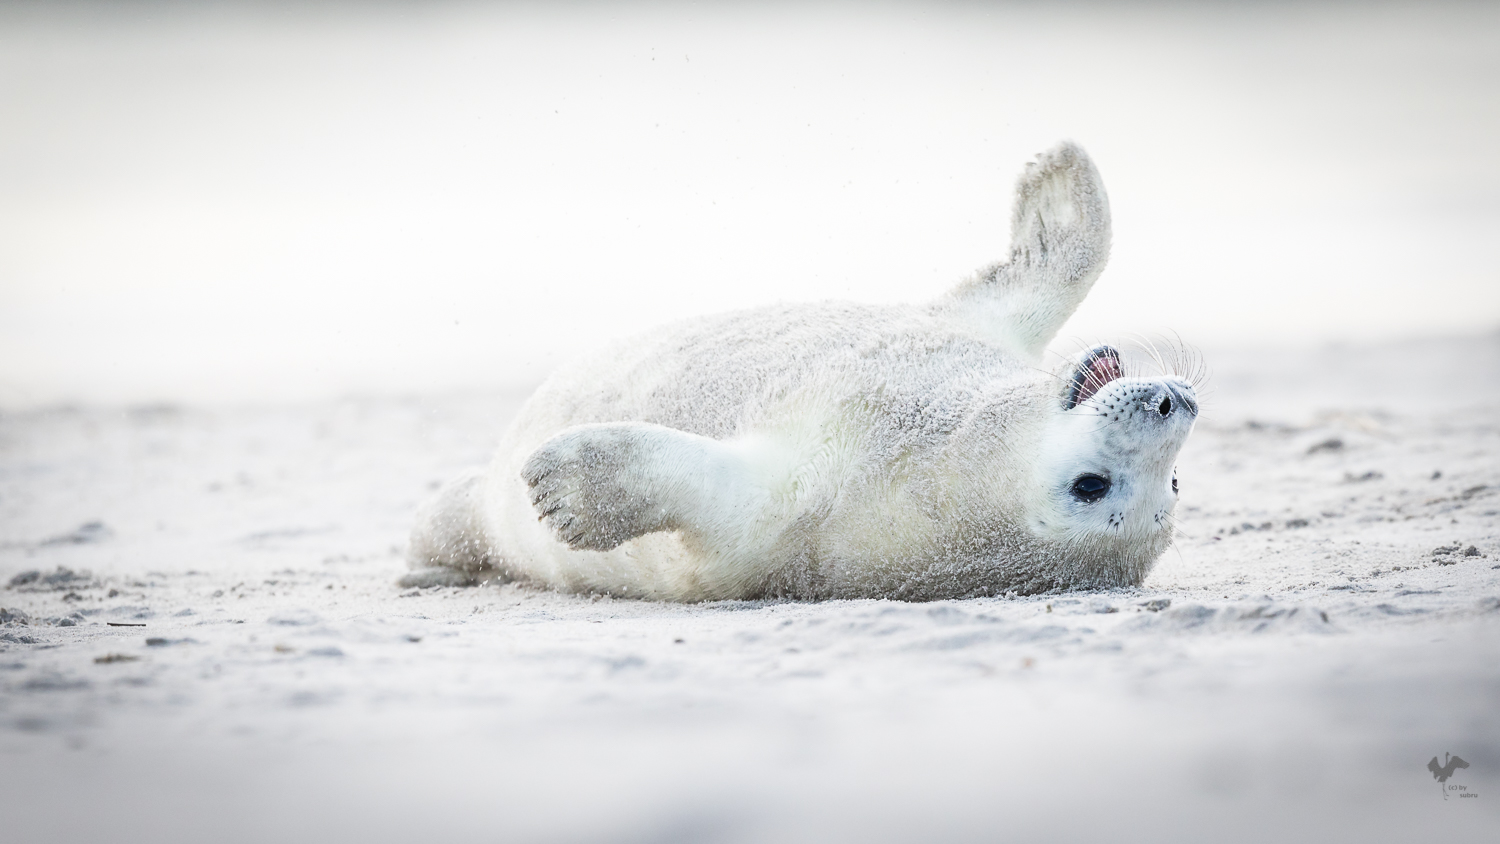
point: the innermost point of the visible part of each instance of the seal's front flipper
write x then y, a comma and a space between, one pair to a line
1059, 243
598, 486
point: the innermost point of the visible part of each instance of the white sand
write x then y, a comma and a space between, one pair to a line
282, 688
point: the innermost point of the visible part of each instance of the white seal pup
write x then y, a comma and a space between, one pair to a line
840, 450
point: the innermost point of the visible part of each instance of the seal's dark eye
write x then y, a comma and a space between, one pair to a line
1174, 480
1090, 488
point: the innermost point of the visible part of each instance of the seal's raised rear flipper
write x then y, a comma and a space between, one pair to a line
1059, 244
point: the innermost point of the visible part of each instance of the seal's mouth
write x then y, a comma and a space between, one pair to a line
1099, 367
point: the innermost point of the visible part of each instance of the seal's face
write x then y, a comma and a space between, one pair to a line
1107, 467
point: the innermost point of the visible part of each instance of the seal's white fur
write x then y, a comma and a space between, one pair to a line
836, 450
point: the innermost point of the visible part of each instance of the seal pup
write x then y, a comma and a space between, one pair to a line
838, 450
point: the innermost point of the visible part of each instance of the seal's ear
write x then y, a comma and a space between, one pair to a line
1095, 368
1059, 244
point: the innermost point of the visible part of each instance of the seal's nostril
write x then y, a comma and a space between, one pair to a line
1165, 407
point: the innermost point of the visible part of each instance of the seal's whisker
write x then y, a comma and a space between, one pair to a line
1171, 520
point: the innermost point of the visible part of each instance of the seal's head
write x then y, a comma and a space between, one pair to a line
1107, 468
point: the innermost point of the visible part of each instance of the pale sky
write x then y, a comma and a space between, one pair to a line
233, 203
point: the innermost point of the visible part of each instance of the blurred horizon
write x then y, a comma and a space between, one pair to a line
240, 201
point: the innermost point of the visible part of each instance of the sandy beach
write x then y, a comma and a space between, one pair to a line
271, 273
202, 639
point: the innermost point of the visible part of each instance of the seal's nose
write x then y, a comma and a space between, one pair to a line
1174, 397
